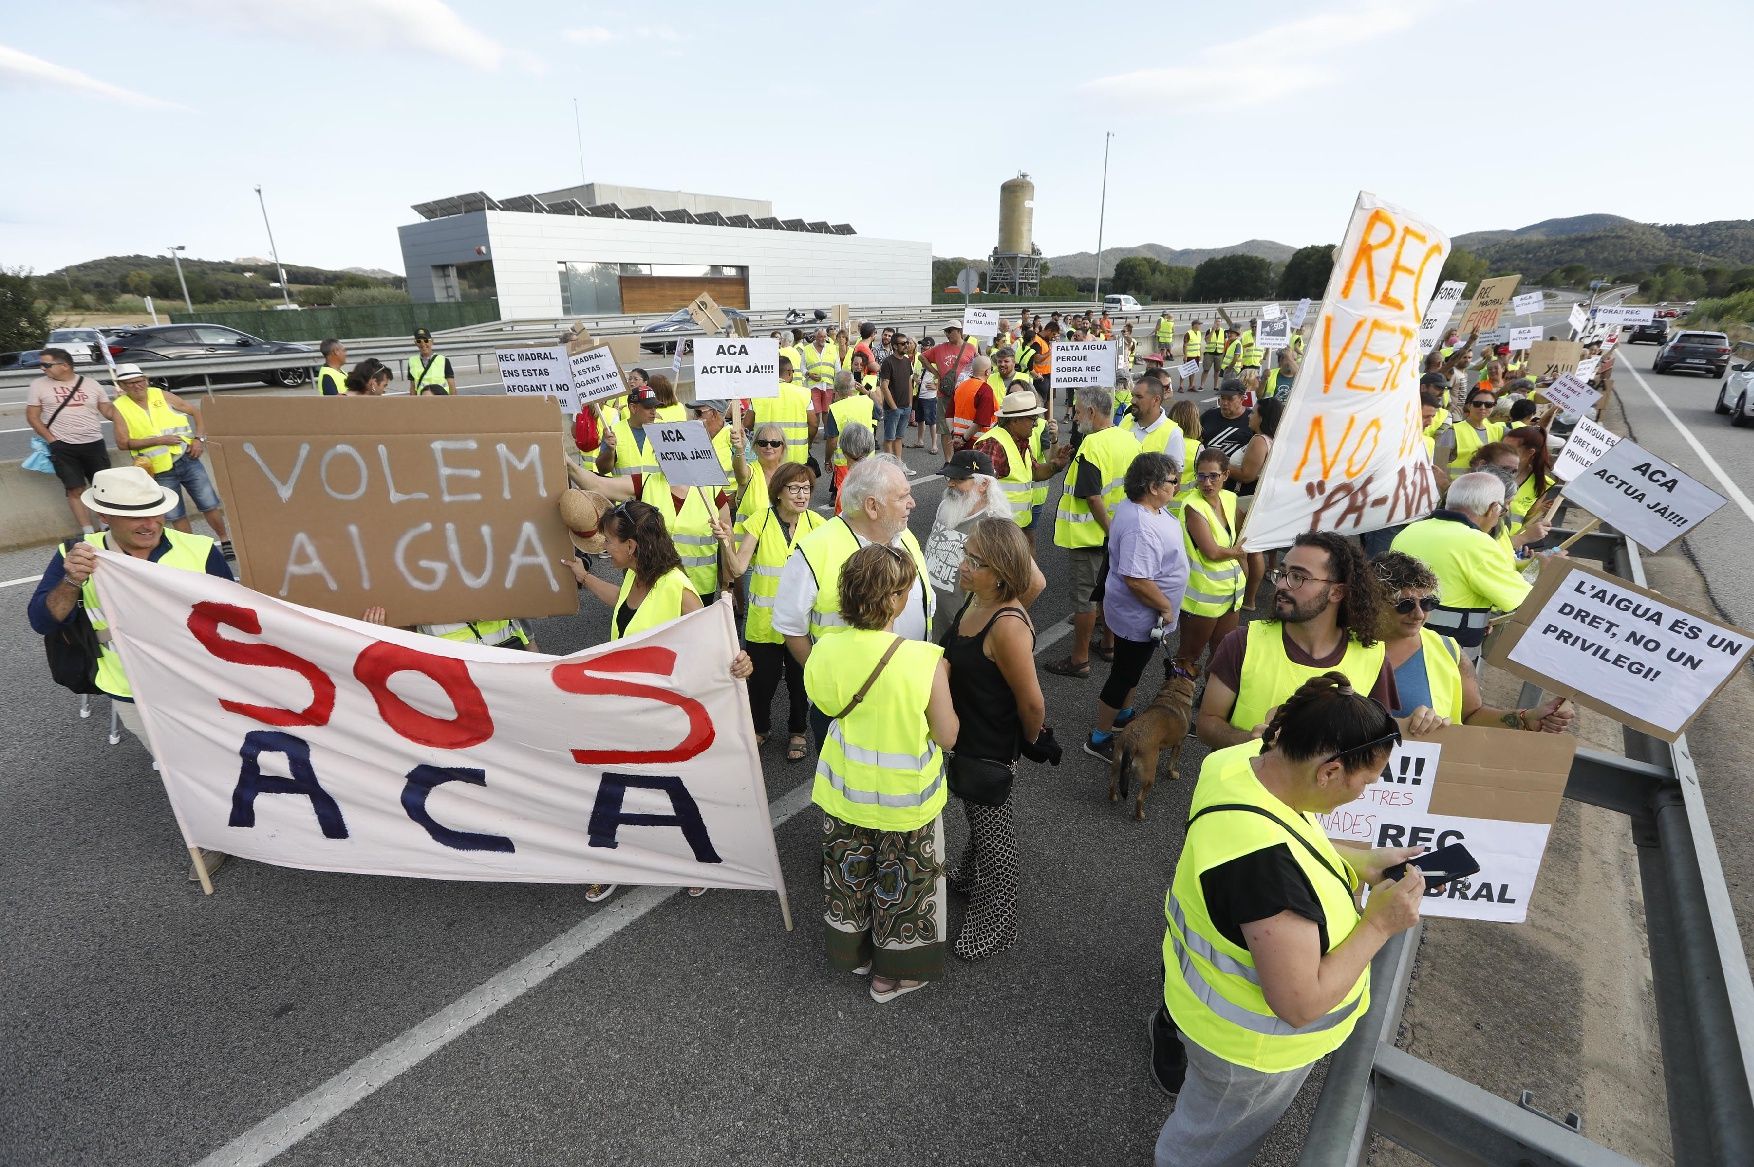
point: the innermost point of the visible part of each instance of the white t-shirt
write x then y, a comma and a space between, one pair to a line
80, 422
791, 608
957, 515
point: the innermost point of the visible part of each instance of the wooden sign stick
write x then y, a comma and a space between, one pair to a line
1579, 533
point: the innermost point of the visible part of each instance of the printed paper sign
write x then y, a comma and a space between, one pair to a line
1622, 650
596, 375
310, 740
1190, 368
1490, 299
1474, 786
1438, 313
1082, 364
685, 454
980, 322
436, 515
1300, 313
1587, 368
1350, 452
736, 366
545, 372
1273, 334
1551, 359
1572, 395
1522, 338
1588, 442
1526, 304
1645, 498
1625, 315
1271, 312
1579, 319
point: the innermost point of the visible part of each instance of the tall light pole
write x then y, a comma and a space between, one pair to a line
187, 303
1102, 214
272, 250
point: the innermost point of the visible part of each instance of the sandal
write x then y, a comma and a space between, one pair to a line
1067, 667
896, 989
797, 748
1103, 651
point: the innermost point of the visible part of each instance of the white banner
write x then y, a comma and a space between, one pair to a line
1587, 443
1521, 338
980, 322
1645, 498
1438, 314
736, 366
1527, 304
310, 740
1350, 452
1625, 315
543, 371
1082, 364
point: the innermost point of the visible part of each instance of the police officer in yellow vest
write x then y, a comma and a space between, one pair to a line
1266, 954
429, 372
332, 376
1011, 443
626, 451
134, 507
165, 436
1324, 618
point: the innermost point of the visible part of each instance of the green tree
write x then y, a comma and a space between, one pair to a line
1232, 277
1173, 284
24, 322
1306, 273
1464, 265
138, 282
1059, 288
1138, 275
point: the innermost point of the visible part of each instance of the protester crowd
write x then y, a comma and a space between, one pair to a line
909, 669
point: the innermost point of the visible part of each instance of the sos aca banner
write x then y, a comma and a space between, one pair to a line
312, 740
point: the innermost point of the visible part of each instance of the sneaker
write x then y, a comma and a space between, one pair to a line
225, 549
910, 471
1169, 1062
598, 892
1104, 749
1125, 718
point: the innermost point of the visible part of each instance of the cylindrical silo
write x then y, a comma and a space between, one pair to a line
1016, 215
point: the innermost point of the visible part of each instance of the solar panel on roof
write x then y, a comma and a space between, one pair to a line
525, 202
605, 211
646, 214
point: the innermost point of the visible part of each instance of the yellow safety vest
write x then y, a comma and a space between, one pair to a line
1233, 354
1019, 481
879, 767
1210, 986
662, 604
429, 376
1478, 573
1165, 330
791, 412
1269, 677
187, 553
489, 632
1297, 343
794, 354
1443, 672
1468, 440
754, 499
1166, 437
772, 550
691, 529
825, 550
1190, 461
1038, 496
856, 409
722, 447
158, 418
1111, 451
1215, 341
1521, 503
631, 456
331, 382
1193, 345
1251, 352
821, 367
1215, 586
676, 412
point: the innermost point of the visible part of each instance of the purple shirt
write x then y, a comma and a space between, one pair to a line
1145, 546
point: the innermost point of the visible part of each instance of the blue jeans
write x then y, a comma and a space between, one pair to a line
895, 423
189, 474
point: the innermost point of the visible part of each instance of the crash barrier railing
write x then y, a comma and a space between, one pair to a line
1699, 972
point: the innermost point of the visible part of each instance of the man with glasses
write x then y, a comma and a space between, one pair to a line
1326, 617
68, 411
427, 372
1475, 575
1455, 444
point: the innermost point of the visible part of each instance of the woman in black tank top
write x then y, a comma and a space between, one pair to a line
993, 685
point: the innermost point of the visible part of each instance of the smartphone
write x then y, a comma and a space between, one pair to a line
1440, 866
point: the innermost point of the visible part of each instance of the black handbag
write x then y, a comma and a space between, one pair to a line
981, 781
72, 648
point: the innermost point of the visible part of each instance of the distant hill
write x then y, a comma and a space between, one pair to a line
208, 279
1612, 244
1082, 264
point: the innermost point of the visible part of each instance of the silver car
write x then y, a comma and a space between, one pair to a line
1736, 397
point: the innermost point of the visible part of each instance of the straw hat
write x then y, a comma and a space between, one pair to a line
127, 491
582, 511
1020, 403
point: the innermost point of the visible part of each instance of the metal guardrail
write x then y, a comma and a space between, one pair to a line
1704, 999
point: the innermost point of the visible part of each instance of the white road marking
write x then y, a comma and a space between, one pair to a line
12, 583
1731, 490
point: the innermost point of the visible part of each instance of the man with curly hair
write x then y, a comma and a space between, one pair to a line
1325, 617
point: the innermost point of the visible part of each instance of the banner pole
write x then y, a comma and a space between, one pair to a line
785, 907
201, 875
1579, 533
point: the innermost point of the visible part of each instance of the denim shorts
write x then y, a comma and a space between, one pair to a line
895, 423
926, 410
189, 474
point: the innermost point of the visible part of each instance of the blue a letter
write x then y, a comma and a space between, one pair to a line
421, 780
251, 781
607, 815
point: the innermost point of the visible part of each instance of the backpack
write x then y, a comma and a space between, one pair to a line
585, 432
72, 648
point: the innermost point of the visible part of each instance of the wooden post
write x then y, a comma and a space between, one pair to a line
1579, 533
201, 876
785, 907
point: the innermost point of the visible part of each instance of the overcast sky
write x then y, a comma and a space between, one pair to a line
132, 125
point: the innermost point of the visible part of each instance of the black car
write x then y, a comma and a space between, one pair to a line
1702, 352
1657, 331
677, 321
184, 342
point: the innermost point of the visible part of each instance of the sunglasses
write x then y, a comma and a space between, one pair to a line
770, 443
1423, 603
1481, 404
1393, 736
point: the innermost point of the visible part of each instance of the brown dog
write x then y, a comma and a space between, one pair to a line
1160, 725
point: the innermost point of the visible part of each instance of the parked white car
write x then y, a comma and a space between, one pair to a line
1113, 304
1736, 397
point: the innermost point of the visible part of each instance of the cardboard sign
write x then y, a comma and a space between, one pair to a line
685, 454
1619, 649
1588, 442
1350, 452
1587, 368
1080, 364
1625, 315
1527, 304
595, 375
1495, 792
1438, 312
1572, 395
1645, 498
705, 313
732, 367
1579, 319
438, 511
1190, 368
422, 757
1489, 303
542, 372
840, 316
980, 322
1271, 312
1522, 338
1274, 334
1300, 313
1550, 360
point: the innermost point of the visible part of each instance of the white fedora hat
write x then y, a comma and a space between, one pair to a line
1020, 403
127, 491
127, 372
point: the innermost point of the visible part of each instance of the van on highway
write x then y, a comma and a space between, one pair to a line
1113, 304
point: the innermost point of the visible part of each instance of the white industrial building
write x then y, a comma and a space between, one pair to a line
599, 249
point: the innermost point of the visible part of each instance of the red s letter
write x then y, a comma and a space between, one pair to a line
204, 622
472, 725
575, 678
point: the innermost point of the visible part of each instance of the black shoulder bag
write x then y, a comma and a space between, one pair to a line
72, 648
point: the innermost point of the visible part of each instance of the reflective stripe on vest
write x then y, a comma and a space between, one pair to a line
187, 553
856, 409
156, 418
1269, 676
1215, 586
430, 375
772, 549
790, 410
1111, 451
826, 549
662, 604
630, 456
490, 632
1269, 1025
1193, 345
691, 529
1019, 481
